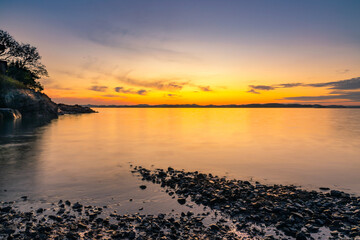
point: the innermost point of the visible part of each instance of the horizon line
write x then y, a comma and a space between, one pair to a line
251, 105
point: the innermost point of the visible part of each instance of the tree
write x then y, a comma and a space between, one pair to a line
24, 61
8, 46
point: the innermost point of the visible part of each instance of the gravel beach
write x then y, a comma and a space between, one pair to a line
248, 211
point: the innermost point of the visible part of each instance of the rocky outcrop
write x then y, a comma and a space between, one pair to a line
8, 113
29, 103
73, 109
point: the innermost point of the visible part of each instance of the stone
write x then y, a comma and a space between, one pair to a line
181, 201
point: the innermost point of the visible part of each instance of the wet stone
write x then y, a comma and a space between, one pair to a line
181, 201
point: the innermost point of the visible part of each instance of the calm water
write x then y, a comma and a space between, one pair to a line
86, 157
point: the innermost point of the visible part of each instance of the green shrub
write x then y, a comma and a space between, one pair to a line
9, 83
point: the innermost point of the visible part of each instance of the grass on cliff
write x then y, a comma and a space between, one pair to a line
9, 83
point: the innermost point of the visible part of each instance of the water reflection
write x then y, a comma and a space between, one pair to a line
87, 157
20, 142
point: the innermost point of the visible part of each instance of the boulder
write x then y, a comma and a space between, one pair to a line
8, 113
30, 103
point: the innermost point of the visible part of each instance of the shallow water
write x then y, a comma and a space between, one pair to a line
87, 157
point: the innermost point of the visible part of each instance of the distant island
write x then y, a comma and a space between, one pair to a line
265, 105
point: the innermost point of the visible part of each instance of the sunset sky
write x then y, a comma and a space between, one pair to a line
184, 52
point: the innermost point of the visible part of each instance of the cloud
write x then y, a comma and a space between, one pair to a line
134, 42
289, 85
344, 95
253, 91
142, 92
98, 88
166, 85
172, 95
205, 88
112, 96
349, 84
342, 71
84, 101
262, 87
131, 91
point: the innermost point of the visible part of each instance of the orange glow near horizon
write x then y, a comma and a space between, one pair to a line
192, 54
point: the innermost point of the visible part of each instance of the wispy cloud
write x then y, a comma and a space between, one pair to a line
205, 88
98, 88
167, 85
343, 95
341, 90
131, 91
262, 87
343, 71
172, 95
253, 91
132, 41
288, 85
113, 96
349, 84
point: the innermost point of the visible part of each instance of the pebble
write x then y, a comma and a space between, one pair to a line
291, 211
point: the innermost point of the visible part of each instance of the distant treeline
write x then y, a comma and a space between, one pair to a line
266, 105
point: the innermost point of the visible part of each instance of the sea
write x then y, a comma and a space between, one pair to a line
89, 157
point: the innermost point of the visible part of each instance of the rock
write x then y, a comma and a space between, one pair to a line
142, 187
29, 103
82, 226
73, 109
335, 193
77, 206
301, 236
181, 201
9, 113
40, 210
214, 227
6, 209
56, 218
324, 188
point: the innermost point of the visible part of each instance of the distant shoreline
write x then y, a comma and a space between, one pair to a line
266, 105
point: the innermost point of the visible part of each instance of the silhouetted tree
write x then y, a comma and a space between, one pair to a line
8, 46
24, 61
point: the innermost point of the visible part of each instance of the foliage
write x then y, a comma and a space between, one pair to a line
8, 45
24, 61
7, 82
27, 77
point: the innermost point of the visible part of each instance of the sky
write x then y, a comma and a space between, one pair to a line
193, 52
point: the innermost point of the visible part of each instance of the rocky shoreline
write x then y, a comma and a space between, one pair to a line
32, 104
251, 211
296, 212
73, 109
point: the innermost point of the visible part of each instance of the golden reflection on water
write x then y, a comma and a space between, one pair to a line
89, 155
